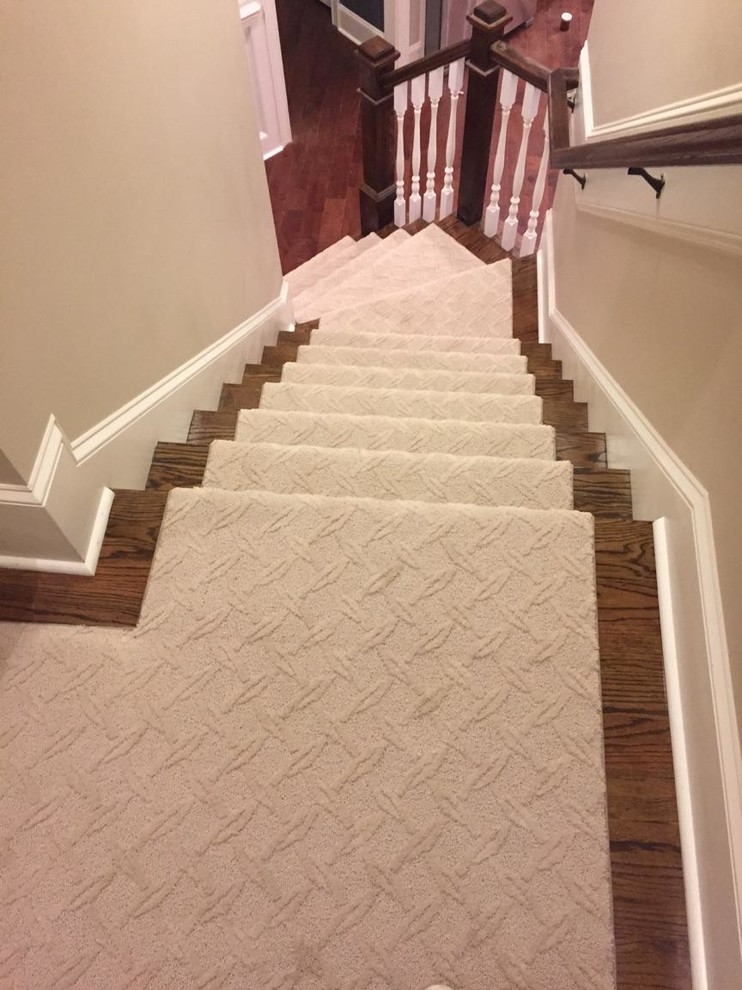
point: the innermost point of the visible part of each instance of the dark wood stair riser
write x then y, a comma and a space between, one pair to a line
247, 394
555, 388
568, 416
585, 450
606, 494
207, 426
177, 465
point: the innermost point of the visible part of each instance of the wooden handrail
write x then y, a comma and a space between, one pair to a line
422, 65
528, 68
717, 141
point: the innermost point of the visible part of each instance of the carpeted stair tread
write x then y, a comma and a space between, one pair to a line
428, 257
477, 406
443, 436
389, 474
319, 265
335, 715
473, 303
433, 380
331, 259
347, 270
415, 341
378, 357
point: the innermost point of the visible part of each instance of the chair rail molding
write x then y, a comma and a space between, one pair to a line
55, 521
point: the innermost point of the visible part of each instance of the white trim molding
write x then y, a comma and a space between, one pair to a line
263, 45
701, 237
354, 27
56, 521
704, 728
36, 490
719, 102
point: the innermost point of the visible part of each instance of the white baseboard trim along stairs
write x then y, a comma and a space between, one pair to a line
357, 735
65, 504
706, 740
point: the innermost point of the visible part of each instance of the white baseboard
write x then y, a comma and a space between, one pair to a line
688, 845
56, 521
354, 27
706, 744
85, 567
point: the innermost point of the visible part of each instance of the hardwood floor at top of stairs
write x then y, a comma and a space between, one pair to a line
314, 182
648, 893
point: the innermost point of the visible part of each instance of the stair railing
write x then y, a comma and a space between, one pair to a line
383, 88
391, 188
490, 71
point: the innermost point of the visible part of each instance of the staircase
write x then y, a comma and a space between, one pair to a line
382, 576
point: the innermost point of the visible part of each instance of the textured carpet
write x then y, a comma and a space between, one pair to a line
328, 261
416, 341
476, 303
351, 744
307, 301
401, 402
410, 379
414, 261
355, 741
384, 474
427, 436
439, 360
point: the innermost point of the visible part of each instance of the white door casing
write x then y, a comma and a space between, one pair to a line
263, 47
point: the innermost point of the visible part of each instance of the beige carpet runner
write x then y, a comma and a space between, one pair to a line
355, 741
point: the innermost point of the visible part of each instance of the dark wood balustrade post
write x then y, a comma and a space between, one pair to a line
376, 58
488, 22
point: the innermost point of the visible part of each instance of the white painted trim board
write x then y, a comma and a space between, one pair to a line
693, 628
70, 478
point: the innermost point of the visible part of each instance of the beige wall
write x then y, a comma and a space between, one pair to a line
665, 318
647, 55
137, 225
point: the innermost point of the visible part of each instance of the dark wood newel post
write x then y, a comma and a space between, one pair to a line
376, 58
488, 22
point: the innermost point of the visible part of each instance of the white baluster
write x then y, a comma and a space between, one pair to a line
400, 108
417, 90
435, 91
455, 82
528, 244
531, 99
508, 90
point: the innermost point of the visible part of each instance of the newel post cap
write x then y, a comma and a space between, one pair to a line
490, 12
